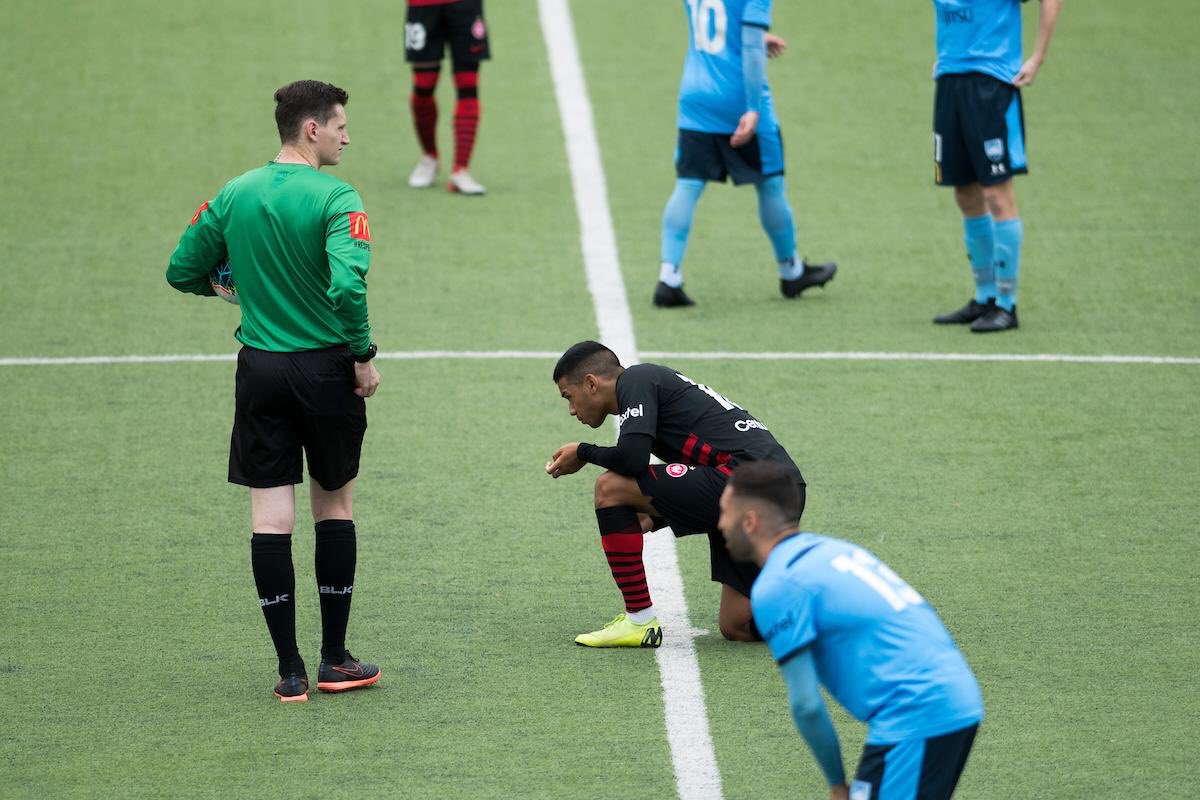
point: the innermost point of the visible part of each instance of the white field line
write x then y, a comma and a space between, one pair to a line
686, 718
666, 356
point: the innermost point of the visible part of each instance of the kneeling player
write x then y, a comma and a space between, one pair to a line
835, 615
701, 436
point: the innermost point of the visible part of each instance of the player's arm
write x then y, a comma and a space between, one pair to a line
811, 716
201, 248
1047, 19
754, 75
630, 457
348, 246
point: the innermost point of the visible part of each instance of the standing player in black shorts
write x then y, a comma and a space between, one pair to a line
701, 436
299, 245
979, 143
429, 26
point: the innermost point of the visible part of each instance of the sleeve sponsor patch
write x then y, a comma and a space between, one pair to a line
359, 227
203, 207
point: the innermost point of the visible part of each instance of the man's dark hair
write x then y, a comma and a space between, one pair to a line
586, 357
298, 101
771, 483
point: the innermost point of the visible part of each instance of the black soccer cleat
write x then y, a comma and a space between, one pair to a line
349, 674
996, 319
814, 275
670, 296
292, 688
972, 311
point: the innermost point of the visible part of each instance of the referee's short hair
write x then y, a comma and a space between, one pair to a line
298, 101
587, 357
769, 482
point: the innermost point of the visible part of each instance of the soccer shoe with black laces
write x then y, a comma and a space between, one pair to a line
814, 275
348, 674
623, 632
972, 311
668, 296
292, 688
995, 320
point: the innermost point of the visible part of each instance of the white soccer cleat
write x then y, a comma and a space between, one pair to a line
424, 173
462, 182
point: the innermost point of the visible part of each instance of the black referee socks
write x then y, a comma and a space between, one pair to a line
336, 555
271, 560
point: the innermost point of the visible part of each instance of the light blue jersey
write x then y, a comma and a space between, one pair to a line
712, 97
979, 36
879, 648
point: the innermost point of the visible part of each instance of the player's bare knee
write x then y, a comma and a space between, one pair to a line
611, 490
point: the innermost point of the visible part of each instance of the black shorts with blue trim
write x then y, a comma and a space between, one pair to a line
688, 497
978, 130
914, 769
710, 157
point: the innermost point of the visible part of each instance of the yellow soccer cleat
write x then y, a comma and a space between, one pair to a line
622, 632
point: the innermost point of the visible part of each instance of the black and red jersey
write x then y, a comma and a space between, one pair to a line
690, 423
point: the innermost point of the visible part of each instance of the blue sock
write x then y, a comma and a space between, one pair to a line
676, 225
776, 217
1009, 235
980, 240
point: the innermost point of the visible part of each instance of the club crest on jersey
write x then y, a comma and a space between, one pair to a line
477, 28
993, 149
203, 207
359, 227
677, 470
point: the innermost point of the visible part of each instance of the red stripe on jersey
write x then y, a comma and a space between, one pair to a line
688, 446
203, 207
704, 451
722, 458
725, 470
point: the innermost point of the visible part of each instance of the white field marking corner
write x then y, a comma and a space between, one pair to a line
692, 755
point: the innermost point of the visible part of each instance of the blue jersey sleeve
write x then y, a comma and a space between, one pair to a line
784, 617
757, 12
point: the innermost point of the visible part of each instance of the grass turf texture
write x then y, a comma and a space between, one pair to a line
1046, 510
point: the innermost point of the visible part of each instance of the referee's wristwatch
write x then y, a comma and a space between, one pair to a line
367, 356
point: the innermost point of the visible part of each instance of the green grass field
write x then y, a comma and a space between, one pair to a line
1048, 510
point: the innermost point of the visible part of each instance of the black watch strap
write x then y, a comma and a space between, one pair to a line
367, 356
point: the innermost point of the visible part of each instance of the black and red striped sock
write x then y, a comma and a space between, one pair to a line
466, 116
621, 538
424, 108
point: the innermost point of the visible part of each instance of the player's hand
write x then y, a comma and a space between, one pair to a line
564, 461
745, 129
366, 379
1029, 71
775, 45
839, 791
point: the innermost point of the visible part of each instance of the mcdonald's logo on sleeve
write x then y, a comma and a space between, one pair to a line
203, 207
359, 227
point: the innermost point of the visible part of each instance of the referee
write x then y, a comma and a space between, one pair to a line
299, 245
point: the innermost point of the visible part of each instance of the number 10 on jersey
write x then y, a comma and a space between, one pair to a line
709, 22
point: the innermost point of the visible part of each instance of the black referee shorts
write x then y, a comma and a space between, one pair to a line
688, 497
289, 403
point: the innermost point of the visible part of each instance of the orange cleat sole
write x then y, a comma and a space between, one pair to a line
342, 686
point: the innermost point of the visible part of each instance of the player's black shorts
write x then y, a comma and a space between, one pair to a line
427, 29
710, 157
286, 403
916, 769
978, 130
688, 498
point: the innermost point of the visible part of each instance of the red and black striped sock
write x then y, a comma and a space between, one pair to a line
466, 116
424, 108
621, 537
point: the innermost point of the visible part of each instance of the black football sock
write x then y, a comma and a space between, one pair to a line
271, 560
335, 561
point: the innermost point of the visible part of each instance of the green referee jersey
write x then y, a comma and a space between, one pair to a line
299, 246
